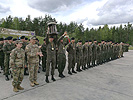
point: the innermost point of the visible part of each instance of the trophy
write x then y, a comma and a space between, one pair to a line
52, 29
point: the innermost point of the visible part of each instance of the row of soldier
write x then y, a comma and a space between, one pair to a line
21, 56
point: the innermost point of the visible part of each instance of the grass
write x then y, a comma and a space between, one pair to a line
15, 36
130, 48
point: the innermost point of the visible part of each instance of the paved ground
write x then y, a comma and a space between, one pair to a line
110, 81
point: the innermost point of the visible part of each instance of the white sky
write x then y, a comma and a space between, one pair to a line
91, 13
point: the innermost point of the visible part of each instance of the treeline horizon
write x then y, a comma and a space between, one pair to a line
39, 25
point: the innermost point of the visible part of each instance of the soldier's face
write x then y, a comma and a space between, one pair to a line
19, 45
51, 39
33, 41
61, 41
73, 41
80, 43
10, 41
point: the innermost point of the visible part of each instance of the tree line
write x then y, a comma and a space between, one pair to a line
39, 25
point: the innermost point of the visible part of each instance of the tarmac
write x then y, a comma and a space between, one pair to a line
109, 81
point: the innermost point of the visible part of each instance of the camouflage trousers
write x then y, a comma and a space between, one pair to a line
71, 61
18, 74
52, 61
85, 60
33, 70
44, 61
6, 64
61, 60
1, 60
89, 59
79, 62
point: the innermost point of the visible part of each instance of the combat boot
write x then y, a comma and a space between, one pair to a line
47, 80
69, 72
32, 84
6, 78
20, 88
35, 82
15, 89
52, 78
73, 71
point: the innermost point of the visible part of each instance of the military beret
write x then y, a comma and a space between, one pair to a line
51, 37
9, 38
72, 38
18, 42
22, 37
33, 37
95, 40
26, 38
90, 40
1, 39
5, 39
43, 39
14, 39
102, 40
79, 41
86, 41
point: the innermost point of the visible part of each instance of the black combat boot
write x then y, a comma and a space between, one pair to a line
47, 80
52, 78
6, 78
73, 71
69, 72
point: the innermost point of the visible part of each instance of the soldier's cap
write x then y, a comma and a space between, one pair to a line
26, 38
44, 39
37, 39
86, 41
22, 37
14, 39
79, 41
51, 36
102, 40
90, 40
72, 38
9, 38
95, 40
33, 38
5, 39
1, 39
18, 42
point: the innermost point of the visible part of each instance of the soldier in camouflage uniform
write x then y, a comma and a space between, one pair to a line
98, 53
89, 53
121, 50
79, 56
33, 52
23, 47
51, 57
85, 55
1, 53
61, 57
43, 49
71, 49
17, 57
94, 46
7, 48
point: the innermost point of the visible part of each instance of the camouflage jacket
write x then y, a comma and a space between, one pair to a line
61, 46
17, 58
71, 49
7, 48
85, 50
79, 51
43, 49
31, 51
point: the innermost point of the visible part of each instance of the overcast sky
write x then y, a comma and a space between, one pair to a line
91, 13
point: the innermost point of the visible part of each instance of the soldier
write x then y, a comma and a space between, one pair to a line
94, 46
61, 57
33, 52
7, 48
98, 53
43, 49
17, 57
23, 47
89, 53
1, 53
79, 56
51, 57
14, 40
121, 50
71, 49
85, 55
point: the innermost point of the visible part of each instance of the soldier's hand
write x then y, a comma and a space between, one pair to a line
65, 33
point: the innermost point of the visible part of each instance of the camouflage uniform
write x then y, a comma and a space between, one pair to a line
71, 49
79, 57
7, 48
61, 57
89, 55
85, 55
51, 56
94, 46
17, 57
98, 54
1, 56
43, 49
33, 61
